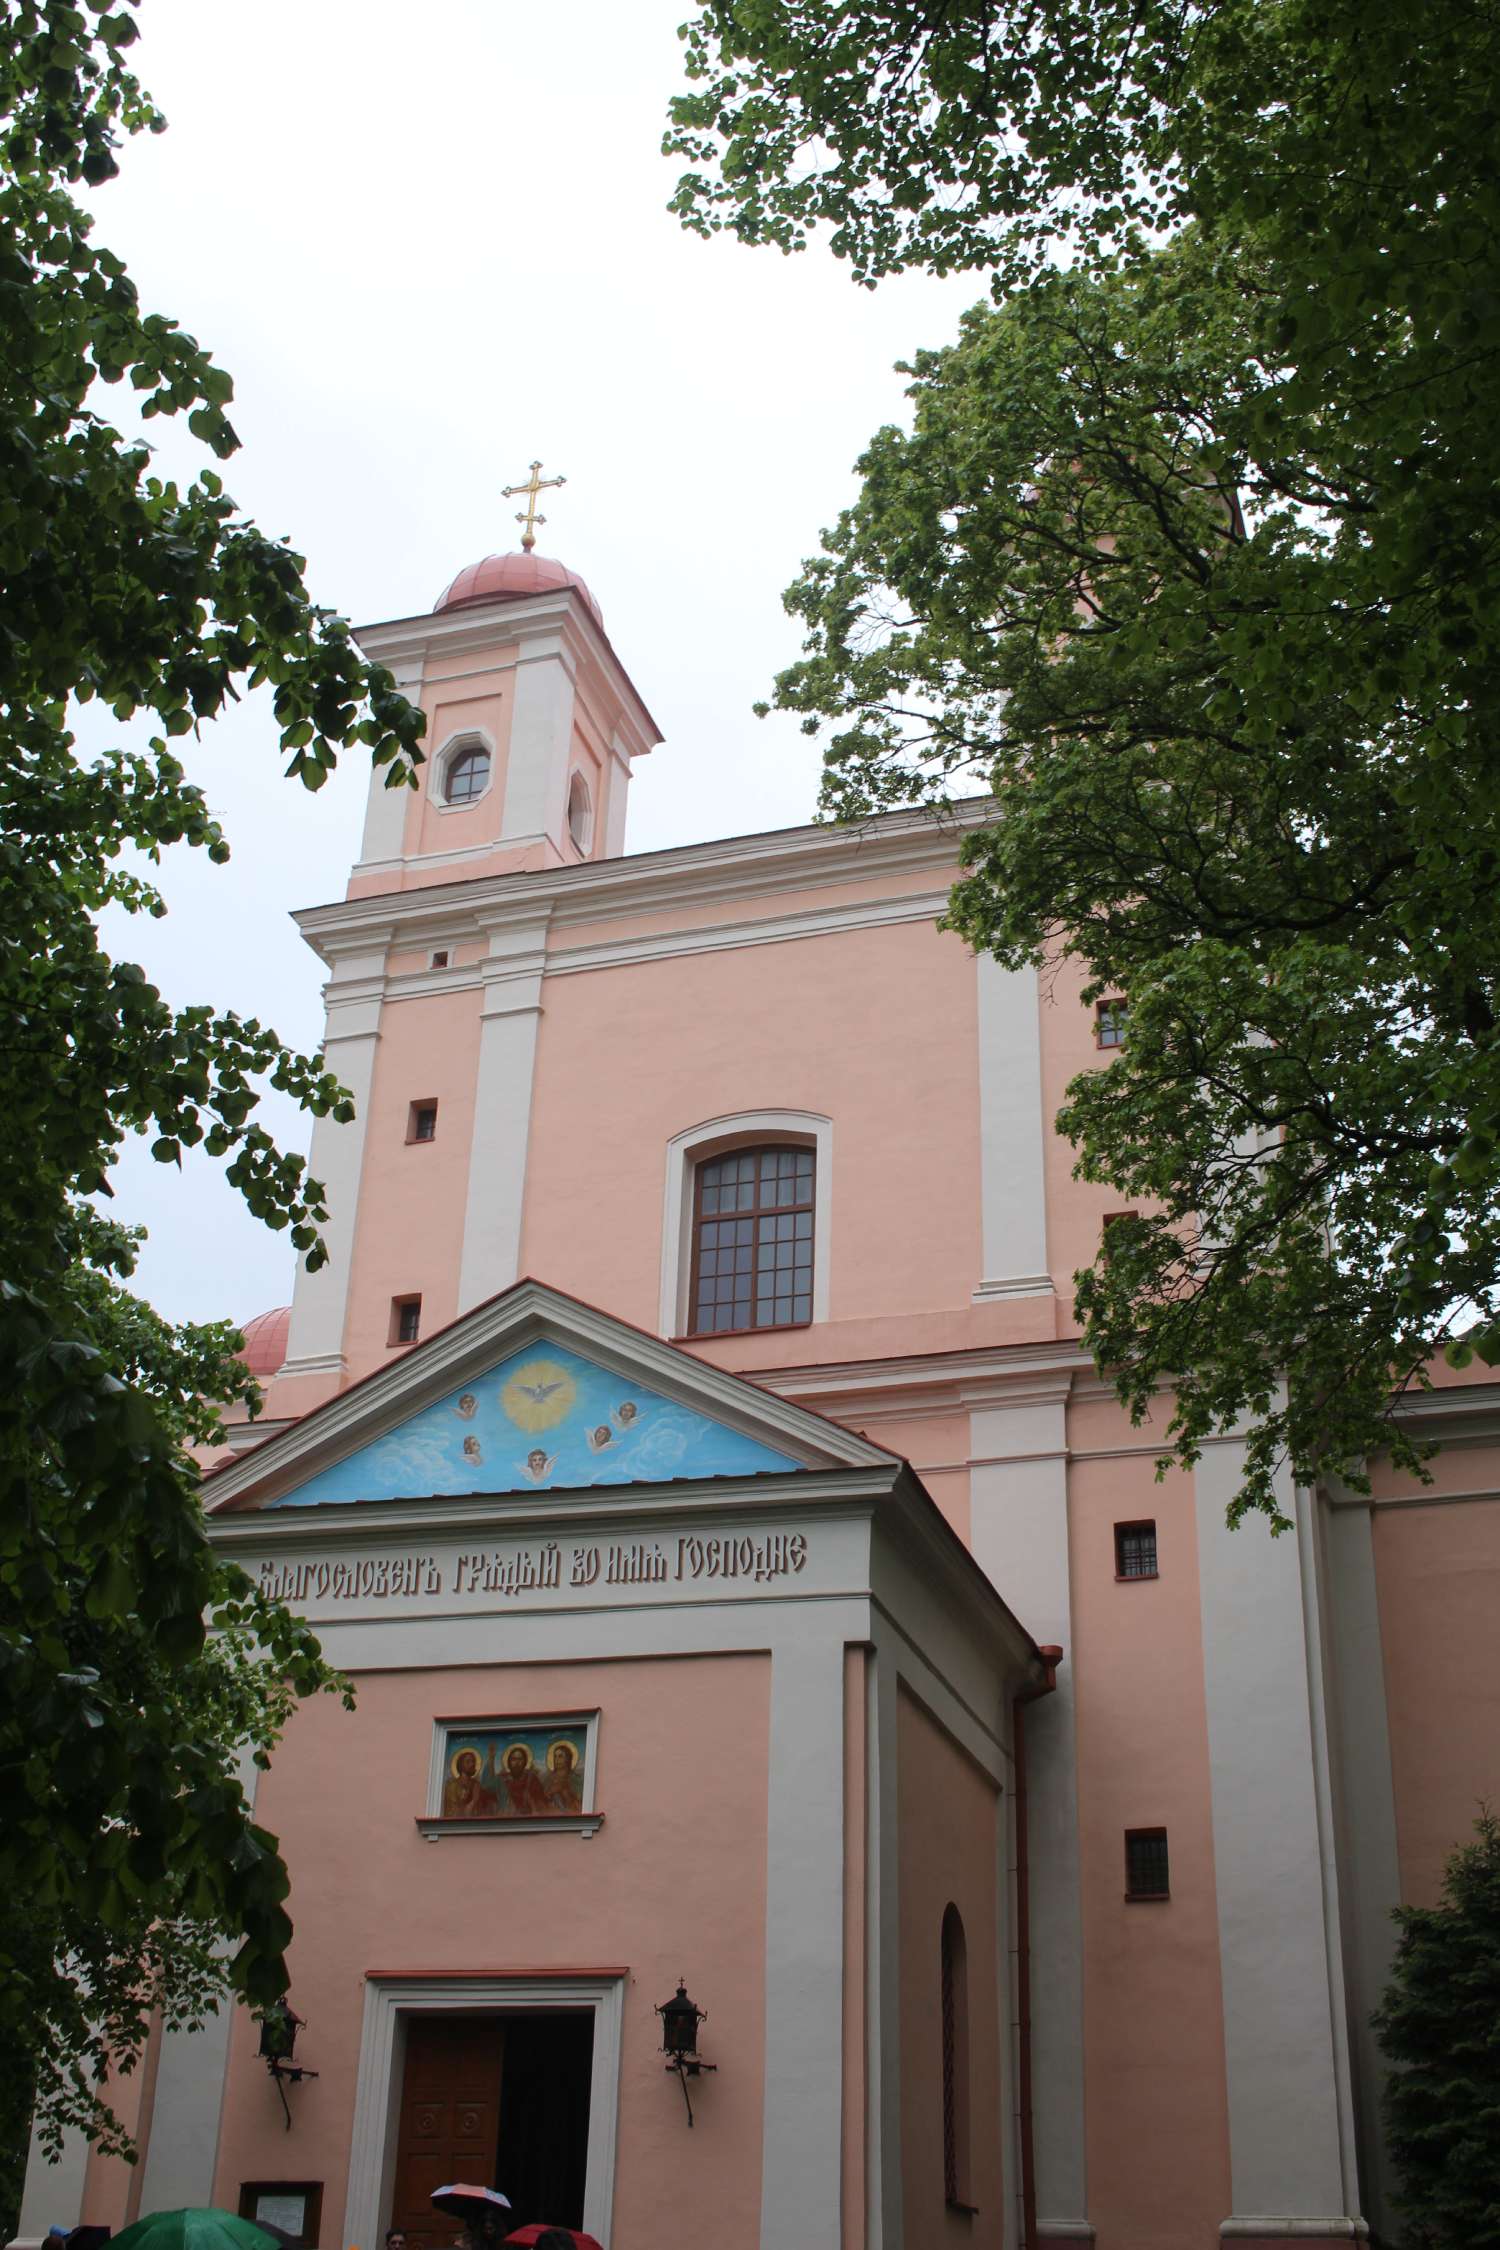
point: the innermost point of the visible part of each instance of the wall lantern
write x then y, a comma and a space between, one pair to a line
679, 2040
279, 2026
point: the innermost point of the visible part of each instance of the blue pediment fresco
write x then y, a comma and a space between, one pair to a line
543, 1419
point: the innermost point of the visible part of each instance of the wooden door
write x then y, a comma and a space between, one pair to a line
450, 2119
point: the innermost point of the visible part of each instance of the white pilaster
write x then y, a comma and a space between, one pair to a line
384, 838
803, 2103
541, 740
1018, 1504
315, 1338
53, 2194
883, 2189
1365, 1815
1284, 2033
1012, 1136
509, 1015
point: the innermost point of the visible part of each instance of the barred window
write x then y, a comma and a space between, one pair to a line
1110, 1018
753, 1240
1135, 1550
1146, 1874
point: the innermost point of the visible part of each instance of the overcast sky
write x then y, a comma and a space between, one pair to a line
431, 244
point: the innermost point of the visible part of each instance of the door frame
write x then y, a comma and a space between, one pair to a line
391, 2000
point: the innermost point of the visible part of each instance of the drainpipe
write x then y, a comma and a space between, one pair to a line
1051, 1656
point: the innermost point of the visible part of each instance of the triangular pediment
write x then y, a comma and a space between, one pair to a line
534, 1393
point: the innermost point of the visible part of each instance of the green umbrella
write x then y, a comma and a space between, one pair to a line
194, 2230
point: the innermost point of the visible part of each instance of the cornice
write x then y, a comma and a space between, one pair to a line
516, 619
516, 1320
714, 873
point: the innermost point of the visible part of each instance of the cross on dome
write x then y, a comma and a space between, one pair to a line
528, 516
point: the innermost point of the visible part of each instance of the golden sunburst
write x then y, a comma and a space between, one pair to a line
539, 1394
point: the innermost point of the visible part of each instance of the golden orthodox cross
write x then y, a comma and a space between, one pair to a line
529, 517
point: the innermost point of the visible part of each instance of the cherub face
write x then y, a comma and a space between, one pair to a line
603, 1434
536, 1460
628, 1411
468, 1406
471, 1449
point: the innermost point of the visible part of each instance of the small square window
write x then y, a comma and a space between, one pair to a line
1146, 1863
1135, 1550
1110, 1017
406, 1320
439, 959
1112, 1219
421, 1121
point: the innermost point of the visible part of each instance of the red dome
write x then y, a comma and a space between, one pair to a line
506, 578
265, 1341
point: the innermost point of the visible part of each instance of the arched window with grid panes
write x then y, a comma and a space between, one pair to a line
753, 1240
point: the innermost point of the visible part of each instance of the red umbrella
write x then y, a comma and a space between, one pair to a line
538, 2233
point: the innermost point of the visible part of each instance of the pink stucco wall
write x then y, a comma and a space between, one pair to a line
949, 1816
874, 1028
428, 1050
673, 1883
1157, 2139
1437, 1571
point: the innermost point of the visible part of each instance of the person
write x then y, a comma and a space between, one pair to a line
464, 1795
560, 1782
395, 2238
521, 1783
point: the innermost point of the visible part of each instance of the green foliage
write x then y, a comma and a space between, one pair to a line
128, 1861
1191, 558
1439, 2024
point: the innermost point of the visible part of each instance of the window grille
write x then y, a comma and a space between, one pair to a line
1146, 1872
1135, 1550
1110, 1017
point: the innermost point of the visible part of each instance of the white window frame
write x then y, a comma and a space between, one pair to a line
577, 777
467, 738
797, 1128
585, 1823
391, 2001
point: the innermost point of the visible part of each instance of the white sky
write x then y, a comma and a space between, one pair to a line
431, 244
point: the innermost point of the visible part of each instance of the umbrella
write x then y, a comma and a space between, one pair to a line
463, 2202
540, 2233
195, 2230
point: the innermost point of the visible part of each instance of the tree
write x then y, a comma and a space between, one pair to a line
128, 1859
1439, 2023
1191, 557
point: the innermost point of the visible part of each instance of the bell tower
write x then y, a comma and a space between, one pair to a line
532, 723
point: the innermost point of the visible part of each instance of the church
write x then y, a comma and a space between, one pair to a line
811, 1786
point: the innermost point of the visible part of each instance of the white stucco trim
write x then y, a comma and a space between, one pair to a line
1012, 1136
689, 1148
541, 739
509, 1013
390, 2000
802, 2158
1278, 1952
1365, 1818
1019, 1532
351, 1034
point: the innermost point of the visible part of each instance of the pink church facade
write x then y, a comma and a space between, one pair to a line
689, 1428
